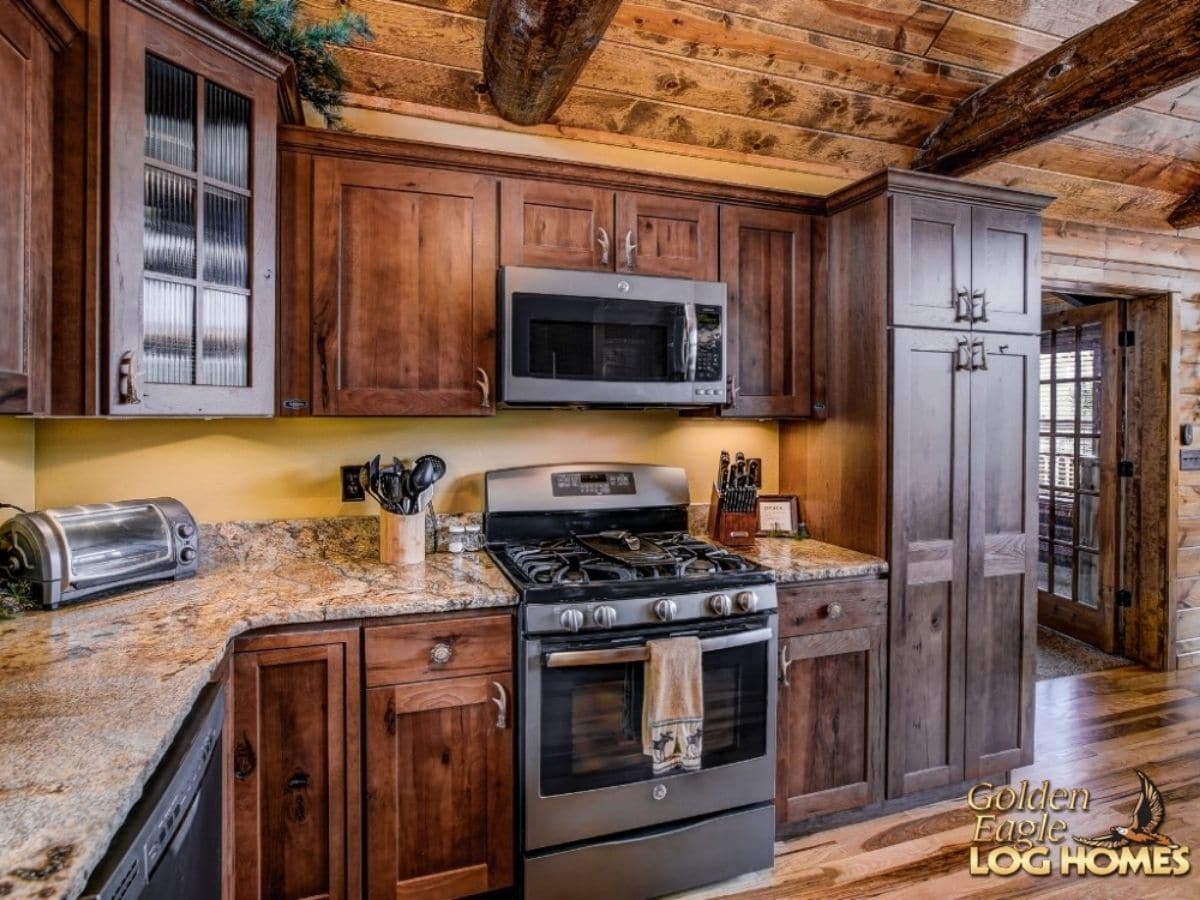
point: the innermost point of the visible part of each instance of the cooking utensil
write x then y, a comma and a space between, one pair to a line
723, 471
755, 472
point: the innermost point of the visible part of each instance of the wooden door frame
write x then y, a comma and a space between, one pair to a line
1166, 290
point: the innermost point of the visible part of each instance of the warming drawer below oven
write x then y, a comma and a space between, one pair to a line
657, 861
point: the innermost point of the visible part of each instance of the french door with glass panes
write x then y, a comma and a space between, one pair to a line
1077, 473
191, 199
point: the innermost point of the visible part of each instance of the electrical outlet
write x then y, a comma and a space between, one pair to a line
352, 489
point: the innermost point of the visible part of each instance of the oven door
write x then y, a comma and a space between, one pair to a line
584, 772
581, 338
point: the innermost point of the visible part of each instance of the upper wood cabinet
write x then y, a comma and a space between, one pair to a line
963, 266
293, 754
775, 332
566, 226
403, 288
31, 32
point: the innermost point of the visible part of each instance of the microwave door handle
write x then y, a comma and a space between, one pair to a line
568, 658
691, 341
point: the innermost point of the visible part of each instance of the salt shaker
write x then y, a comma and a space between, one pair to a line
455, 544
473, 539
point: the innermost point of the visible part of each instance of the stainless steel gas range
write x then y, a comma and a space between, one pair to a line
602, 559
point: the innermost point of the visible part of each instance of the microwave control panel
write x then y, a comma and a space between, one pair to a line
709, 365
590, 484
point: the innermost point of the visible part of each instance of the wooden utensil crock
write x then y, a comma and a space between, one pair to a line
401, 538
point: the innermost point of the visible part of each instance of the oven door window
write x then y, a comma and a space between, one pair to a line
591, 719
592, 339
119, 542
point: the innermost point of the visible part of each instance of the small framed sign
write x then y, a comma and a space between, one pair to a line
779, 514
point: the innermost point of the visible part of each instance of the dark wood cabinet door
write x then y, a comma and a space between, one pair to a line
1002, 606
931, 263
439, 780
559, 226
831, 722
931, 396
293, 748
666, 236
766, 260
1006, 284
403, 291
26, 198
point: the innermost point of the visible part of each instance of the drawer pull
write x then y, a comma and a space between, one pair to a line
785, 660
441, 654
501, 705
834, 610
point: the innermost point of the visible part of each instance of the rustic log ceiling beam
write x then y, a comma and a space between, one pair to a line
534, 50
1149, 48
1187, 213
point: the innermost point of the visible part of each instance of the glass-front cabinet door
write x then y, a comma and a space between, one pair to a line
191, 198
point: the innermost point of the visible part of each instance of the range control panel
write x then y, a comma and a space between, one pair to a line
591, 484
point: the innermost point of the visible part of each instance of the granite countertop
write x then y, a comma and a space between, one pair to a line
91, 696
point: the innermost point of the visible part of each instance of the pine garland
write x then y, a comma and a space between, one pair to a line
318, 74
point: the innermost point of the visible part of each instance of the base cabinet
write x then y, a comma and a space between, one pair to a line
831, 698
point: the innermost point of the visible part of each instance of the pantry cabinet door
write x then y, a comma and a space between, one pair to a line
931, 400
1002, 609
666, 236
931, 263
439, 781
403, 290
1006, 281
558, 226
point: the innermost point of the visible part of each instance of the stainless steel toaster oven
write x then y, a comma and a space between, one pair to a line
73, 552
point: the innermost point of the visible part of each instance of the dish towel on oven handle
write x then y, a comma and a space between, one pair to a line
673, 704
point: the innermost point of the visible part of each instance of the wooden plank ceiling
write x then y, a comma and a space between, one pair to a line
829, 87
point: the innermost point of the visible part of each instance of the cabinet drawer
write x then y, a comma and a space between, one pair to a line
395, 654
832, 606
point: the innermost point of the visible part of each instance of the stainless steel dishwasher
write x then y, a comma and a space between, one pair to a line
170, 844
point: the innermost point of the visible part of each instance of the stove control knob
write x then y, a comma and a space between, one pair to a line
665, 609
604, 616
720, 604
571, 619
747, 601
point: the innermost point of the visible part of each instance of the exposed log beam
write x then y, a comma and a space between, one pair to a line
1149, 48
534, 51
1187, 213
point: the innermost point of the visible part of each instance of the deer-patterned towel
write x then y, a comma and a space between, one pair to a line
673, 704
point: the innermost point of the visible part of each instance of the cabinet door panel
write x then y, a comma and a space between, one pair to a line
830, 723
666, 236
295, 799
1006, 249
930, 472
403, 290
439, 787
560, 226
1002, 610
931, 260
766, 261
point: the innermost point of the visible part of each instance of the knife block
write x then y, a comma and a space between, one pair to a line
733, 529
401, 538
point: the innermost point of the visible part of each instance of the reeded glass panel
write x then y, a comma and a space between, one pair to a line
169, 331
1089, 579
225, 237
169, 236
170, 114
226, 135
226, 339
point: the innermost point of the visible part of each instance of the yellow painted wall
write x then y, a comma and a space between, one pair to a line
16, 463
237, 469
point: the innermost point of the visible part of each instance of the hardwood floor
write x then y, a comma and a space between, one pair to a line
1092, 731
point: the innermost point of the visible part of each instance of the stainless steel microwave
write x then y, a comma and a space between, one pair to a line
599, 339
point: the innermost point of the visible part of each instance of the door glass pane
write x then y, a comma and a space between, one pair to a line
169, 328
170, 114
1044, 461
1064, 472
1045, 401
1063, 517
225, 237
169, 235
1062, 570
1089, 406
1043, 565
1089, 473
226, 135
1089, 579
1089, 521
1064, 350
1064, 407
226, 338
1091, 345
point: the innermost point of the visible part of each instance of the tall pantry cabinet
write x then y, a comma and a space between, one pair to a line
929, 457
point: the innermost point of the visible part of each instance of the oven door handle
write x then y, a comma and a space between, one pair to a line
567, 658
691, 341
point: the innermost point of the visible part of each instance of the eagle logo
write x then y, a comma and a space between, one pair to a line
1148, 815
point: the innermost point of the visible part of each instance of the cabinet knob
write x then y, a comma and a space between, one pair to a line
834, 610
441, 654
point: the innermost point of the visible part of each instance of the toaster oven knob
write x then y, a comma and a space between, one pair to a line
185, 530
747, 601
665, 609
571, 619
604, 616
187, 554
720, 604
